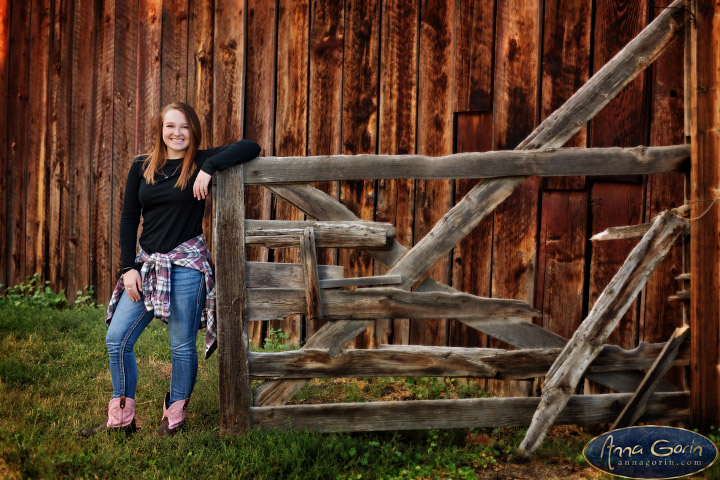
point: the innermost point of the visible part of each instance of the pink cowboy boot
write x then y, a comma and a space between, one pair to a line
121, 415
173, 416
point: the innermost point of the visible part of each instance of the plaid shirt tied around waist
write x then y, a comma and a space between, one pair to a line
156, 284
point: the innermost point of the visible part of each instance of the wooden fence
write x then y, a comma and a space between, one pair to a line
246, 293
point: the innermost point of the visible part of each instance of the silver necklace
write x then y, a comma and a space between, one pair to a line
173, 173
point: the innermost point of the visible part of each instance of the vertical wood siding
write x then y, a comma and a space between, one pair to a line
81, 84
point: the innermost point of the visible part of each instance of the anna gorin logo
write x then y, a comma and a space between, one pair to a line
651, 452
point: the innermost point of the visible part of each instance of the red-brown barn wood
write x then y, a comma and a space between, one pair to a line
705, 229
4, 144
59, 141
359, 127
659, 318
291, 115
149, 74
397, 129
174, 48
84, 87
200, 82
436, 104
259, 115
514, 256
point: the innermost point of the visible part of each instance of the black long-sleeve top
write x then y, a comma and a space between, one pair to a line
170, 215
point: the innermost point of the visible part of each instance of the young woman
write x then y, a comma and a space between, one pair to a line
170, 276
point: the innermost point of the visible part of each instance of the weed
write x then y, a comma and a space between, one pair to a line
276, 341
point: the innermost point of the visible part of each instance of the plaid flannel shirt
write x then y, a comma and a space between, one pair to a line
156, 284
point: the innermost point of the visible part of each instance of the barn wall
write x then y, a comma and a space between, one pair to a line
81, 81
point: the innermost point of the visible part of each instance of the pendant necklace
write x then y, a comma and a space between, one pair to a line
173, 173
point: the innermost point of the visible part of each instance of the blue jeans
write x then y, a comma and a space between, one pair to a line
187, 299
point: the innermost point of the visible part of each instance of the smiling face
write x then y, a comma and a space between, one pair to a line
175, 133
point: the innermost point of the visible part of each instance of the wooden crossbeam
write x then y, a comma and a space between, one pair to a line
376, 280
635, 407
611, 305
552, 133
466, 413
286, 275
382, 302
507, 163
353, 234
424, 361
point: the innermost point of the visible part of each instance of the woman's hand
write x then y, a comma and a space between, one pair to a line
201, 185
133, 284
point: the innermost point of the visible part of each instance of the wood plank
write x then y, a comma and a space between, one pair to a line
228, 71
124, 135
313, 300
200, 82
489, 164
35, 182
704, 181
359, 125
397, 112
362, 281
260, 70
567, 25
291, 116
561, 262
635, 407
436, 106
555, 130
583, 347
659, 317
59, 146
404, 360
174, 65
472, 257
280, 233
101, 186
232, 325
149, 74
515, 111
4, 133
466, 413
475, 34
18, 95
284, 275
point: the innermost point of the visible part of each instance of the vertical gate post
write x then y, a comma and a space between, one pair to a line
705, 226
232, 326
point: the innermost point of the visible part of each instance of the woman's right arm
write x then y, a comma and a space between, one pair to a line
129, 223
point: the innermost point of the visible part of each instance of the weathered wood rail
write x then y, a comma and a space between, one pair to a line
249, 292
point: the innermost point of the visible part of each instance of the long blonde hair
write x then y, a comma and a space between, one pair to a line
158, 157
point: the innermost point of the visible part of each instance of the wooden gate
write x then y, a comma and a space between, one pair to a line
248, 291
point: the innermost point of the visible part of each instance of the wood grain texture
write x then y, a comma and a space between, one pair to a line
704, 181
59, 143
149, 74
515, 111
404, 360
565, 65
232, 333
467, 165
200, 82
18, 95
36, 161
125, 94
472, 256
280, 233
397, 113
586, 342
284, 275
467, 413
359, 124
4, 144
101, 186
308, 254
228, 71
291, 115
475, 35
561, 261
174, 65
658, 317
436, 105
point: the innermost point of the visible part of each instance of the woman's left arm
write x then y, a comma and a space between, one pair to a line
220, 158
